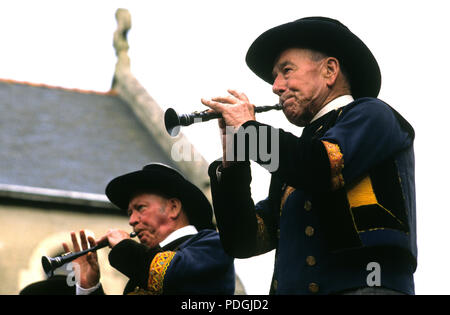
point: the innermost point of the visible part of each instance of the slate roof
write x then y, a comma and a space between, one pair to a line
69, 139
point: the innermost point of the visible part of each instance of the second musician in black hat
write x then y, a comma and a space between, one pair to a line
179, 250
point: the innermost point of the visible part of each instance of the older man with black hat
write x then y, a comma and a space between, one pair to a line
341, 206
179, 250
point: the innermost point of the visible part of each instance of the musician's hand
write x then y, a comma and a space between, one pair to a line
226, 137
114, 236
87, 265
235, 108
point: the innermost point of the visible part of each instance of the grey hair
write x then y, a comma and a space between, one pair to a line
318, 56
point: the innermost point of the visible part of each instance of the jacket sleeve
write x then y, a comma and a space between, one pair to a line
133, 260
244, 228
300, 162
366, 134
200, 266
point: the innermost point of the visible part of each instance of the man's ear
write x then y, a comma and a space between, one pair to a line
331, 70
173, 208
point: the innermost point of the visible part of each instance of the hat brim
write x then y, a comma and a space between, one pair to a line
324, 35
167, 182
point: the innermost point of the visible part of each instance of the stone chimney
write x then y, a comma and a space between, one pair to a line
150, 113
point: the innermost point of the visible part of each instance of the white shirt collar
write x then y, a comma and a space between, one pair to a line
334, 104
186, 230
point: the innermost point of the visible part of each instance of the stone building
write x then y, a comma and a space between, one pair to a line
59, 149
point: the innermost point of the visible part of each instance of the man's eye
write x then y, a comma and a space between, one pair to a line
137, 208
287, 70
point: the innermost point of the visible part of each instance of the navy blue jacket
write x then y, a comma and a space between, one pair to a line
341, 199
193, 265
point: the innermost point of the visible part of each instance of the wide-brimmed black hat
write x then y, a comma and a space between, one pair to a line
162, 179
325, 35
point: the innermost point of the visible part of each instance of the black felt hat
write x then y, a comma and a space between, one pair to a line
162, 179
325, 35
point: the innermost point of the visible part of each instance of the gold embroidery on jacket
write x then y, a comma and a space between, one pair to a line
157, 272
139, 291
336, 163
289, 190
263, 238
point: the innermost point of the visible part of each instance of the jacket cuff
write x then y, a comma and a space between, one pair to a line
217, 172
257, 142
95, 290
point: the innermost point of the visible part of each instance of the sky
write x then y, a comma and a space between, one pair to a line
182, 51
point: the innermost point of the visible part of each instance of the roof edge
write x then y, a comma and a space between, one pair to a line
66, 197
111, 92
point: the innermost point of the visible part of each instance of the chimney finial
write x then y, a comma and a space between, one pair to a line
120, 43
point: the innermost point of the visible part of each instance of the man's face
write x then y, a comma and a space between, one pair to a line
299, 82
149, 218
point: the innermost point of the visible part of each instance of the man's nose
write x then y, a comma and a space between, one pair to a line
134, 219
279, 85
